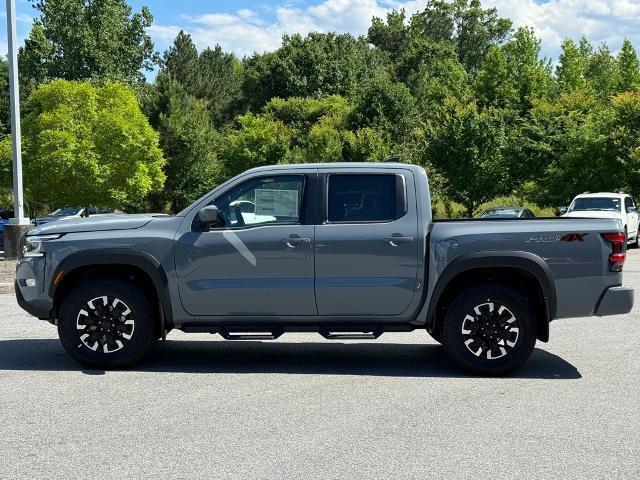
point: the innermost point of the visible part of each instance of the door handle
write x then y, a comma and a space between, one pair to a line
294, 240
396, 239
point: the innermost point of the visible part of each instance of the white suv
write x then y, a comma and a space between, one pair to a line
607, 205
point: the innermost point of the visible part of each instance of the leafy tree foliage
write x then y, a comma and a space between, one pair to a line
258, 141
315, 66
189, 143
87, 145
211, 75
469, 146
82, 39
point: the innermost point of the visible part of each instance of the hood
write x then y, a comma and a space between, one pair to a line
593, 214
49, 218
101, 223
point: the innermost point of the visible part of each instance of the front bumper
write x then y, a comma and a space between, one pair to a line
29, 285
38, 307
615, 301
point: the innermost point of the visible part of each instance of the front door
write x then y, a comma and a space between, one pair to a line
367, 246
260, 261
632, 217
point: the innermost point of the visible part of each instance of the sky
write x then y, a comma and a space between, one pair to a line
245, 27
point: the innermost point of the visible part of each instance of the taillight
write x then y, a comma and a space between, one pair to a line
618, 243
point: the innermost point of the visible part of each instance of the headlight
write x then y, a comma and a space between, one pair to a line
33, 244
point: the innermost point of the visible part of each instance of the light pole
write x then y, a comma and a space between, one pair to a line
17, 225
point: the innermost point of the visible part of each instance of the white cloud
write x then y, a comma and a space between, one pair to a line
245, 31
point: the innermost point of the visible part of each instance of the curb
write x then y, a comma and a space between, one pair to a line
6, 288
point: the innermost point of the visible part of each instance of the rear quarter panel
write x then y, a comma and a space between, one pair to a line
579, 268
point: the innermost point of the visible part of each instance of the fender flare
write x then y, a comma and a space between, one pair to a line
518, 260
126, 257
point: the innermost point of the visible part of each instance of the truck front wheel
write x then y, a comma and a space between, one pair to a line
106, 323
489, 329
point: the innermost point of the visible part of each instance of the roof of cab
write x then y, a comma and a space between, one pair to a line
337, 165
603, 194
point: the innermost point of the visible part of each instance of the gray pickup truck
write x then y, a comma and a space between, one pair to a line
346, 250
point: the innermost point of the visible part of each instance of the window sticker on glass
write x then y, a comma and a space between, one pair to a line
277, 203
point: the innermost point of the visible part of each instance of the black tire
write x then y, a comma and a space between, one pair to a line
495, 341
123, 338
436, 336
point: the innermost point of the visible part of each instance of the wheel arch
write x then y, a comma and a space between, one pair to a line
522, 271
115, 262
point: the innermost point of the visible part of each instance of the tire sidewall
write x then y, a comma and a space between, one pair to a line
465, 303
77, 298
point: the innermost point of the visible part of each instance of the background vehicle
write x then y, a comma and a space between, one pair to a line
66, 213
3, 222
5, 215
507, 212
347, 250
619, 206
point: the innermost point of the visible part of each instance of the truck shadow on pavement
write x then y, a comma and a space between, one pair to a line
371, 359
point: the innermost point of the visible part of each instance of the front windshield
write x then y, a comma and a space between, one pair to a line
596, 203
66, 212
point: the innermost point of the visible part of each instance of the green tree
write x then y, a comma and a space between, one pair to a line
366, 145
602, 73
316, 66
386, 106
81, 39
570, 139
89, 145
628, 68
180, 61
300, 115
5, 120
465, 24
212, 75
189, 143
514, 75
570, 72
468, 146
219, 82
624, 139
257, 141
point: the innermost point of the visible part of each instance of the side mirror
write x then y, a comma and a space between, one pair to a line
562, 210
208, 216
631, 209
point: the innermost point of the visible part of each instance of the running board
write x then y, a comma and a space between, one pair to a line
249, 333
360, 333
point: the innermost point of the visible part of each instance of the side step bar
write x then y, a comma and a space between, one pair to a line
360, 333
268, 332
248, 333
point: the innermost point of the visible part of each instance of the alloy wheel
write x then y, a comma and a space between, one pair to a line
105, 324
490, 331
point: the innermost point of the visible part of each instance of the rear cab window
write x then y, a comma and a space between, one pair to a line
370, 198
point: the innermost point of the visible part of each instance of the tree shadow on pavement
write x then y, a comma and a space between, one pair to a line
372, 359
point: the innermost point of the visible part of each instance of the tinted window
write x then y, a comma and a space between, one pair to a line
362, 198
596, 203
263, 200
628, 202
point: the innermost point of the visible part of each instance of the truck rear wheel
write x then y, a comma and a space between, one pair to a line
489, 329
106, 323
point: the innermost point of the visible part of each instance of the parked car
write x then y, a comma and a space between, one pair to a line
3, 222
507, 212
348, 250
66, 213
5, 215
619, 206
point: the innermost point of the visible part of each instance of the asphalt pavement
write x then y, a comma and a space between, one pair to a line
307, 408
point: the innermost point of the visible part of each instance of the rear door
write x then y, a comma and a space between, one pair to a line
366, 245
